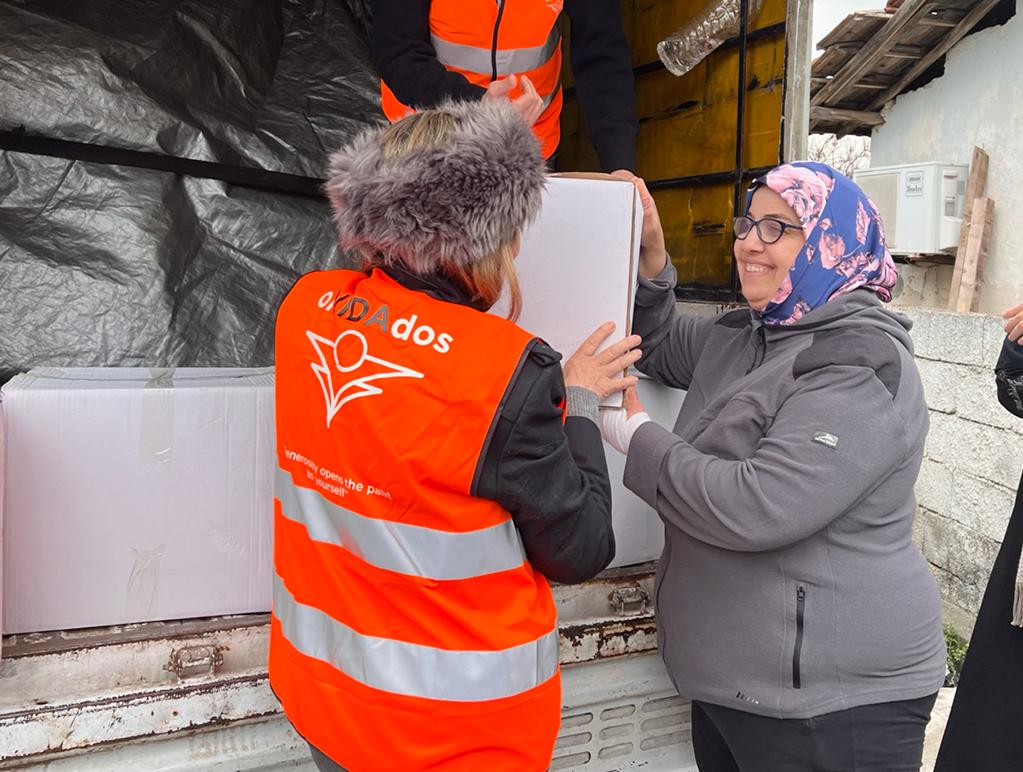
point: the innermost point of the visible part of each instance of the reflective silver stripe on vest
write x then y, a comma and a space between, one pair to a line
550, 97
509, 60
412, 669
400, 547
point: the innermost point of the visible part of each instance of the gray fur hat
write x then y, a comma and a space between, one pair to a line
452, 204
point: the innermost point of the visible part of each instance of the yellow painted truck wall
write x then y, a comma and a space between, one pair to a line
687, 127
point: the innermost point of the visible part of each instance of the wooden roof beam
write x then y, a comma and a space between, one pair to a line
872, 85
938, 14
820, 114
869, 54
895, 52
937, 21
967, 23
851, 20
867, 83
906, 52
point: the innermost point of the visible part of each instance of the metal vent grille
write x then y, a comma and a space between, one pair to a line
626, 734
883, 190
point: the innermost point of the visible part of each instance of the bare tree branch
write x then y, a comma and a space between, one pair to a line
846, 154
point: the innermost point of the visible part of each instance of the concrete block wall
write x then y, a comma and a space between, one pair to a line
974, 453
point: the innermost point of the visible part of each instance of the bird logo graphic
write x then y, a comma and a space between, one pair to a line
346, 369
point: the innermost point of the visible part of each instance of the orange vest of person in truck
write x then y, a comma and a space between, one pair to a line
484, 41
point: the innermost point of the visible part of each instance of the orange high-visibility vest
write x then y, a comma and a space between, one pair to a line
409, 631
486, 40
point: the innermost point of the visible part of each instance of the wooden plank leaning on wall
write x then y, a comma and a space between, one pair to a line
975, 187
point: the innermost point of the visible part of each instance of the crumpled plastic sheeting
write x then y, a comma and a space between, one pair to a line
103, 265
265, 83
109, 265
362, 11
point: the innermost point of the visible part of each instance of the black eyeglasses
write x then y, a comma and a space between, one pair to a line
769, 229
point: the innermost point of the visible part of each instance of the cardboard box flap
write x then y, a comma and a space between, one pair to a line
91, 378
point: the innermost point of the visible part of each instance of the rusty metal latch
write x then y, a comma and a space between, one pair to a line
628, 600
194, 661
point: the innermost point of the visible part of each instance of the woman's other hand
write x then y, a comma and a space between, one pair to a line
601, 372
631, 402
1014, 323
652, 253
618, 426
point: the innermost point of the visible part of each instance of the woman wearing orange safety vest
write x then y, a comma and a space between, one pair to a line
431, 50
435, 467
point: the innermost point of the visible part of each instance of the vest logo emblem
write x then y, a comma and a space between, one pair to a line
826, 438
346, 369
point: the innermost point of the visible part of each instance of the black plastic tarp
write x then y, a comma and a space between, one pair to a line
109, 264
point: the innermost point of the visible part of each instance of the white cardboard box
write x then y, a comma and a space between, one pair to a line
577, 270
133, 495
578, 261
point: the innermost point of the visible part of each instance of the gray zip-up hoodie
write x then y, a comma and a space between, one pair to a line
789, 585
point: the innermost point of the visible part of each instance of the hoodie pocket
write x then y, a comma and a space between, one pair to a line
797, 649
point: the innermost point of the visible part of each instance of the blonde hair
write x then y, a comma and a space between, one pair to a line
483, 280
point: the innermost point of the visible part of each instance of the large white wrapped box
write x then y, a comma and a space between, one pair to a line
577, 265
133, 495
577, 270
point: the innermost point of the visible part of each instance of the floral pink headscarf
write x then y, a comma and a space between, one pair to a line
845, 247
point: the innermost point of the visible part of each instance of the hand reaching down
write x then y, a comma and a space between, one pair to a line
528, 104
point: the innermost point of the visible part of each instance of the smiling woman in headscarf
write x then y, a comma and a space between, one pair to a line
792, 604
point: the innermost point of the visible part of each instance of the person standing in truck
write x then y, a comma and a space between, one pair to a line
792, 604
431, 50
436, 467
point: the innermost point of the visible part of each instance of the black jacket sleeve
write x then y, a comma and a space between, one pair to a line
1009, 377
602, 65
552, 479
406, 59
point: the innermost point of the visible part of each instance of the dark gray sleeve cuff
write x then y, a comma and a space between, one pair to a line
650, 444
583, 403
650, 291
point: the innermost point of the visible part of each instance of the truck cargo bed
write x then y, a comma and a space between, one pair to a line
194, 695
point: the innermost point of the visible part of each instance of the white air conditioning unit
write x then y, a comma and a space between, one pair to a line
921, 205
